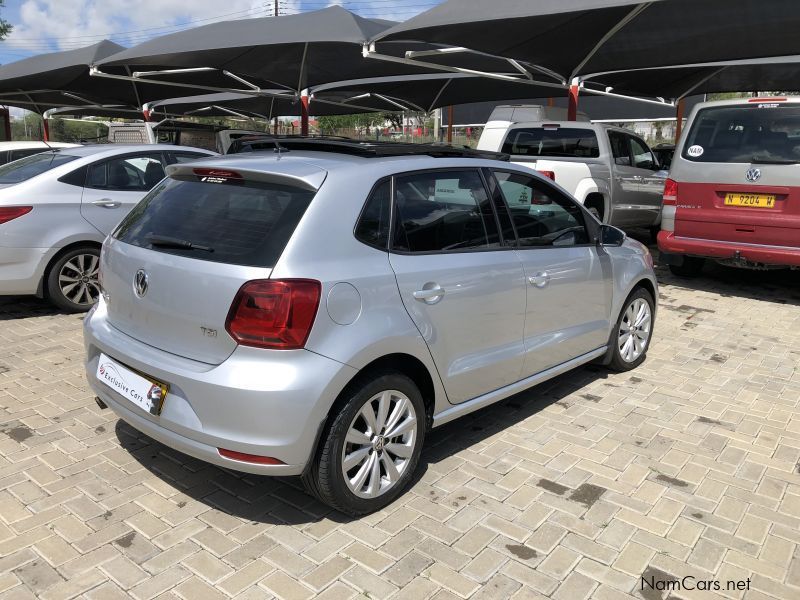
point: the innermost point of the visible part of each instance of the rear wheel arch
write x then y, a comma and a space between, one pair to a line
42, 288
597, 201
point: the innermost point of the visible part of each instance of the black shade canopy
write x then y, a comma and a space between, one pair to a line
589, 37
230, 104
290, 51
56, 79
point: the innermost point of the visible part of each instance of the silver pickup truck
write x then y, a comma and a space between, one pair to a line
608, 169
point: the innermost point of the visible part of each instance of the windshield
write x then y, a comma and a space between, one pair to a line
561, 141
757, 132
31, 166
242, 223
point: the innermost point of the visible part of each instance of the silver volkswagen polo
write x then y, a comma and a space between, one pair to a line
316, 310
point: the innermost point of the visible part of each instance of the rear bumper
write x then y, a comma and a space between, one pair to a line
670, 245
266, 403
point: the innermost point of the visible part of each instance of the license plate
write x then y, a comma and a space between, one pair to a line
751, 200
148, 394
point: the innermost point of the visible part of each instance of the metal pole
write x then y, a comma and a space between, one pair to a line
450, 124
679, 119
572, 106
275, 9
304, 112
7, 123
45, 130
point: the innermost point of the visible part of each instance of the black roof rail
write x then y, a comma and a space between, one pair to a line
366, 149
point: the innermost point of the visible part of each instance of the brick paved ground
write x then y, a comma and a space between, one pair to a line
576, 489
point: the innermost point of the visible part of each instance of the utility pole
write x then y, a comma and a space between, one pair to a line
275, 9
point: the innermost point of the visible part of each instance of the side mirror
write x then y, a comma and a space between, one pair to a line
611, 236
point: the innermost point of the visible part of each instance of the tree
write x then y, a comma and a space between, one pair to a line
5, 26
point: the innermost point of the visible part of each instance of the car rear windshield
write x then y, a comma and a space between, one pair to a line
31, 166
561, 141
235, 222
757, 132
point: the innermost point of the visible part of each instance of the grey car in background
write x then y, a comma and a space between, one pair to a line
56, 207
316, 311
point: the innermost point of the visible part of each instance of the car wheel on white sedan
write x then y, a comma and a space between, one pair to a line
73, 280
631, 337
369, 451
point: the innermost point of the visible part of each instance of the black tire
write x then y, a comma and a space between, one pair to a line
618, 362
62, 268
692, 267
325, 477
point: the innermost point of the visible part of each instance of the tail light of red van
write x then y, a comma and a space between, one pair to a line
549, 174
670, 192
274, 313
8, 213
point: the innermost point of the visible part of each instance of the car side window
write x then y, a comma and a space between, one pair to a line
642, 156
620, 148
132, 173
442, 211
373, 224
542, 215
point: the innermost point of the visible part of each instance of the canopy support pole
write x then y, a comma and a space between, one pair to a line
5, 114
572, 106
679, 119
450, 124
304, 98
45, 130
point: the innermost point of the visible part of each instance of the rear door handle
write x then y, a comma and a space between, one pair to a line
539, 280
107, 203
430, 294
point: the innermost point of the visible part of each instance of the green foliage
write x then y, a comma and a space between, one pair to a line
5, 26
358, 121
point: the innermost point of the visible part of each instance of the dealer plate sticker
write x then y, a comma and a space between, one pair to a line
147, 394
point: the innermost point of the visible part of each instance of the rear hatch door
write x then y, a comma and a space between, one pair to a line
739, 175
173, 267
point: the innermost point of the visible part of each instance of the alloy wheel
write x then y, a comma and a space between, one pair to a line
78, 279
634, 330
379, 444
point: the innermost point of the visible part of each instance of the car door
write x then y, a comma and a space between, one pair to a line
115, 185
460, 285
625, 180
567, 275
651, 184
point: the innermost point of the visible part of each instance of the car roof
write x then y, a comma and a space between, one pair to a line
750, 101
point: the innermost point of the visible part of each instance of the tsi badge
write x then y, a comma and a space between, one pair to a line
141, 281
753, 174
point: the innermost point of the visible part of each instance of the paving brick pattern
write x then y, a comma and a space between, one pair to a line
575, 489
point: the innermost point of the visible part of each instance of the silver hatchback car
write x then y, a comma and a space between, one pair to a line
315, 311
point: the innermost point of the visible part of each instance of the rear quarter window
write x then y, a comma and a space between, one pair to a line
31, 166
561, 141
242, 223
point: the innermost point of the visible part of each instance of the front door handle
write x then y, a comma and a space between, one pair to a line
539, 280
431, 293
107, 203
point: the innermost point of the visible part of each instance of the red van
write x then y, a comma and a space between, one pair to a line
733, 192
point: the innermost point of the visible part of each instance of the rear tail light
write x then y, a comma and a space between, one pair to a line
274, 313
549, 174
250, 458
7, 213
670, 192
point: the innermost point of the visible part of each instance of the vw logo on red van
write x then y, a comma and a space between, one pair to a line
753, 174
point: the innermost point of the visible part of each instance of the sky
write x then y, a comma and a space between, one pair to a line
50, 25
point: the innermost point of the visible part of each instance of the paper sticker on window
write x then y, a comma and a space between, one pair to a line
695, 151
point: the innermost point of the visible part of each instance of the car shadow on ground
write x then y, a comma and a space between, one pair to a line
25, 307
282, 500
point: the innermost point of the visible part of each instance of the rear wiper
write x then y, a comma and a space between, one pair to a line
165, 241
760, 160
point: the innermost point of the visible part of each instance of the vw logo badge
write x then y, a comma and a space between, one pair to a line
753, 174
140, 282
